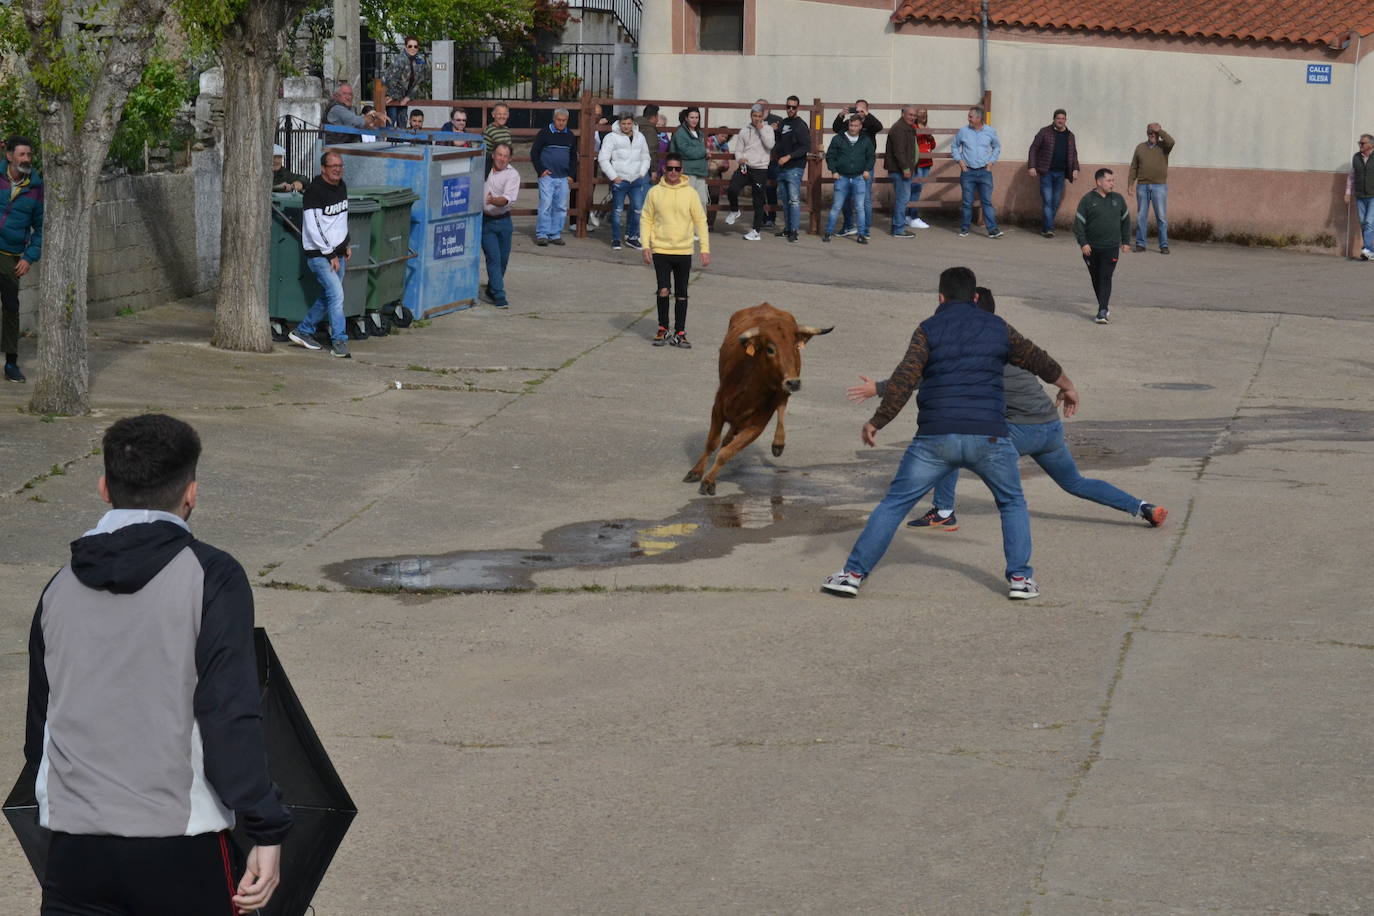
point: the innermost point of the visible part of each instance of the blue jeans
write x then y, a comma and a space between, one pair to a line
927, 460
901, 196
981, 181
496, 238
1045, 443
637, 191
1051, 196
1158, 194
916, 185
553, 207
847, 189
1365, 207
789, 192
330, 301
868, 209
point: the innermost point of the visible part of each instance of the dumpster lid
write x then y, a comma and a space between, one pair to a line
289, 200
357, 203
388, 195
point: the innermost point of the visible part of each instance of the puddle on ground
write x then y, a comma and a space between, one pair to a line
779, 502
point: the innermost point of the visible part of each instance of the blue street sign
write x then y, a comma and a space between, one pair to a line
1319, 74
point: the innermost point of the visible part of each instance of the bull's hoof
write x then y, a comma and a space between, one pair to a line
707, 488
777, 451
692, 477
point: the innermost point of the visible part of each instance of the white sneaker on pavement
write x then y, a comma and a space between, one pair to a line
731, 217
1366, 254
752, 235
918, 223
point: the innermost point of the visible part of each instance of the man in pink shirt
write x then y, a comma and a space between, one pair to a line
502, 187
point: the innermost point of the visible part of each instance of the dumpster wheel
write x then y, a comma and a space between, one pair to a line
378, 325
357, 328
278, 330
402, 316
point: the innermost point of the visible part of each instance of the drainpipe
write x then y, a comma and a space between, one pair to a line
1354, 128
983, 55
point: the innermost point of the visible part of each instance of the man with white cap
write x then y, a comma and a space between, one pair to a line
283, 179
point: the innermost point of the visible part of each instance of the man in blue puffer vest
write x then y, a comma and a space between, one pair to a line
957, 356
21, 242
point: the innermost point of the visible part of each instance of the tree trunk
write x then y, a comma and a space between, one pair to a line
73, 156
254, 45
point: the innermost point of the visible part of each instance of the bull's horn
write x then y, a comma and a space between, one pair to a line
749, 335
812, 331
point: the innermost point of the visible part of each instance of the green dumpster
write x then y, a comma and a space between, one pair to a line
292, 288
390, 248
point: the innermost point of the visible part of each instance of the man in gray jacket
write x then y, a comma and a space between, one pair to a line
144, 731
1037, 431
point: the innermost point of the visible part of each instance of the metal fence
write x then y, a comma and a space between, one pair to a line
527, 74
627, 12
302, 143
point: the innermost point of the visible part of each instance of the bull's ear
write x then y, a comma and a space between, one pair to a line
749, 349
746, 339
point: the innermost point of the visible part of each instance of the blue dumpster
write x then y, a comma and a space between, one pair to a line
445, 222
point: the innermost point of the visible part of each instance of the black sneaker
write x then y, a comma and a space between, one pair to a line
862, 240
541, 242
1164, 250
932, 521
661, 337
557, 241
1137, 247
12, 373
1154, 515
780, 234
634, 243
304, 340
791, 236
825, 236
680, 341
1102, 316
615, 245
1047, 234
339, 348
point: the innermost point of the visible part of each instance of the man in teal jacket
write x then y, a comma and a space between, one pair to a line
21, 242
850, 156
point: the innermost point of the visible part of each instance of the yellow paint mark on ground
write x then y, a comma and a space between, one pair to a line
658, 539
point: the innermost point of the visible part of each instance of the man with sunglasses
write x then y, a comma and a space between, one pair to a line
790, 151
671, 218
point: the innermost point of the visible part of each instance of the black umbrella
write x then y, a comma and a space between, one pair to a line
320, 806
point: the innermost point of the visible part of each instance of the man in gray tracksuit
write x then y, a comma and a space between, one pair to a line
144, 726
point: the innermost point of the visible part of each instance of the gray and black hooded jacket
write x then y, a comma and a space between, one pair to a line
143, 713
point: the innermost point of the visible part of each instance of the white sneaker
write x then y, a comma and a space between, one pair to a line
1366, 254
594, 221
1023, 587
752, 235
918, 223
731, 217
843, 583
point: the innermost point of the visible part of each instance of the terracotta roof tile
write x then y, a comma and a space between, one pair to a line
1327, 22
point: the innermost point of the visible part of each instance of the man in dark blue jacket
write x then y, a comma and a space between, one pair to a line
21, 242
957, 356
144, 723
554, 156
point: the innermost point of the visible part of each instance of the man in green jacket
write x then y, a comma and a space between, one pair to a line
1149, 176
851, 156
1102, 223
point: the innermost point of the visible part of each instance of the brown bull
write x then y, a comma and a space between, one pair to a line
760, 368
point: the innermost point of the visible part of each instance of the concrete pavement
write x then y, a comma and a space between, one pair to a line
667, 716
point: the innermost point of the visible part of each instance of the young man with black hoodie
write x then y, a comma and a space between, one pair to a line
789, 154
144, 726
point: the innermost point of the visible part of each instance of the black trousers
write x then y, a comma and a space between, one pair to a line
9, 307
672, 271
141, 876
1101, 265
757, 181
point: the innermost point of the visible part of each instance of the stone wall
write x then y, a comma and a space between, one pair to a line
154, 238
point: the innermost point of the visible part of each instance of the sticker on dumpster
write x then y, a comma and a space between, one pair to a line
449, 239
455, 196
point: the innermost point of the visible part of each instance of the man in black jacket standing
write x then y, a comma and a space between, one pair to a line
324, 234
789, 155
1053, 158
1102, 223
144, 726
